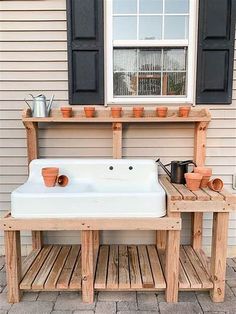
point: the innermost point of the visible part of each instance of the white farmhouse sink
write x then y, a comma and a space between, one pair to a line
97, 188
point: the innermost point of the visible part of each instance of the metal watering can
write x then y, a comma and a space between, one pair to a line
40, 108
178, 169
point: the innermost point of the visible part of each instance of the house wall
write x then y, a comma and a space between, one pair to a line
33, 59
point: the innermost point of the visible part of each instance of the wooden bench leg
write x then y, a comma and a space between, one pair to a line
96, 244
87, 249
197, 219
37, 240
13, 265
161, 239
172, 265
218, 255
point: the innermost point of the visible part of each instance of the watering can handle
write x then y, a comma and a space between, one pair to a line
186, 162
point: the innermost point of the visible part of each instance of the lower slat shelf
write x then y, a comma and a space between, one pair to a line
119, 268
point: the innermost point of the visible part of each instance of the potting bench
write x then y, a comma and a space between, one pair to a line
123, 267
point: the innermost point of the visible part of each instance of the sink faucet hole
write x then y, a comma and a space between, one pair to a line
111, 168
130, 168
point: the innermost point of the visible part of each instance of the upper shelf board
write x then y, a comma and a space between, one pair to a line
104, 115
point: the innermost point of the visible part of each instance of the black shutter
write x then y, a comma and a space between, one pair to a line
215, 51
85, 51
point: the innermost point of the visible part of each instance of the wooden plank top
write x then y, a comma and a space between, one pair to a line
103, 115
179, 192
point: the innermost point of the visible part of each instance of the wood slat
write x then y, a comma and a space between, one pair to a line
157, 272
42, 275
186, 193
190, 271
35, 267
135, 275
202, 195
145, 267
101, 272
64, 278
183, 278
112, 274
124, 278
215, 196
76, 278
57, 268
203, 276
229, 197
205, 260
171, 191
27, 262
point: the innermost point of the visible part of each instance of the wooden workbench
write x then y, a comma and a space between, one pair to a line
166, 266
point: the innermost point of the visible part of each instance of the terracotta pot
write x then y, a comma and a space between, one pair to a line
216, 184
161, 112
138, 112
66, 112
50, 176
116, 112
62, 180
89, 112
193, 180
184, 112
206, 175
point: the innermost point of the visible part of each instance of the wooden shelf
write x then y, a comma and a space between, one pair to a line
119, 267
103, 116
180, 199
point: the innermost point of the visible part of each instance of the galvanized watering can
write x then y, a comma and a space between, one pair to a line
40, 108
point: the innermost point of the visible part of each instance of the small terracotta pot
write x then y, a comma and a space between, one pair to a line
216, 184
62, 180
66, 112
193, 180
50, 176
116, 112
161, 112
138, 112
89, 112
184, 112
206, 175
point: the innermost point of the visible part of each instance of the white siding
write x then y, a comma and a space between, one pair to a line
33, 58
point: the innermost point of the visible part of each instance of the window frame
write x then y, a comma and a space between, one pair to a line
191, 43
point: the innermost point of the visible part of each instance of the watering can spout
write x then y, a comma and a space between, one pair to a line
49, 106
163, 167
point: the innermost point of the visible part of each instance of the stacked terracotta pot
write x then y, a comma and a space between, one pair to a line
51, 178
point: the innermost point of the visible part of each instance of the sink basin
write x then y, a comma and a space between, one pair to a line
97, 188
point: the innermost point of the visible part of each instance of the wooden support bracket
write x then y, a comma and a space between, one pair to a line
117, 140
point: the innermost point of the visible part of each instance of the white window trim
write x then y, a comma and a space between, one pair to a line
191, 69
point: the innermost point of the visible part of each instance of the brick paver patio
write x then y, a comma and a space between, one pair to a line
120, 302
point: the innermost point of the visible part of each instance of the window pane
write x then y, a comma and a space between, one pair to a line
176, 6
124, 84
174, 59
176, 27
124, 6
150, 27
150, 6
149, 60
174, 83
149, 83
125, 60
124, 27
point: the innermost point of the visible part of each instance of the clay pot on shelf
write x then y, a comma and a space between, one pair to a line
62, 180
66, 112
206, 175
116, 112
50, 176
193, 180
89, 112
216, 184
138, 112
161, 112
184, 112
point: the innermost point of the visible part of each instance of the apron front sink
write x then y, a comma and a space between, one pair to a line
97, 188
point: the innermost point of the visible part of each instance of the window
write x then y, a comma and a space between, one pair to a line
150, 50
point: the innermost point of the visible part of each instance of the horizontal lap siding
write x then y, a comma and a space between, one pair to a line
33, 59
